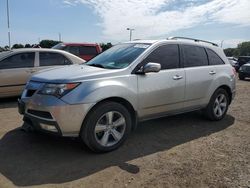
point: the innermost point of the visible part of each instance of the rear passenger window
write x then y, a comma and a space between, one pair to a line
167, 56
87, 50
194, 56
214, 59
22, 60
73, 49
50, 59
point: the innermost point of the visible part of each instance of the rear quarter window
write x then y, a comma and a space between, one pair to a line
213, 58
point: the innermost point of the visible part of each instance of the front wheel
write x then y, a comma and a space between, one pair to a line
218, 105
106, 127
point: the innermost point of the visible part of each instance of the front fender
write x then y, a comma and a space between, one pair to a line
93, 91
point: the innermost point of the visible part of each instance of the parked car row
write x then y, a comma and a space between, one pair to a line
237, 63
102, 100
17, 66
244, 71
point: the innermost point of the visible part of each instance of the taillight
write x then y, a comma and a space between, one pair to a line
234, 71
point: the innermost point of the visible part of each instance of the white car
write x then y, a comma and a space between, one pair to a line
17, 66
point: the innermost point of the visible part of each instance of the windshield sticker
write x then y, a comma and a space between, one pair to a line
141, 46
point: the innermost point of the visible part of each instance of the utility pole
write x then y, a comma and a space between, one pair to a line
130, 33
8, 22
221, 44
59, 37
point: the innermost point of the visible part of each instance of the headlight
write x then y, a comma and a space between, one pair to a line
57, 90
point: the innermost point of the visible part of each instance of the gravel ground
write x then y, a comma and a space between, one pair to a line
180, 151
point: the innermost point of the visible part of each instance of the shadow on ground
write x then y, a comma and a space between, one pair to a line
33, 159
10, 102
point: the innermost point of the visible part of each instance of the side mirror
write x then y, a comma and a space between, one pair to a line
151, 67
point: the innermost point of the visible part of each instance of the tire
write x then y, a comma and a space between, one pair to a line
106, 127
241, 77
218, 105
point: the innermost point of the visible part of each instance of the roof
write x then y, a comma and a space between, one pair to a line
77, 44
247, 65
35, 50
181, 40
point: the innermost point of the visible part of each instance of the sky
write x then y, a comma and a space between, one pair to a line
98, 21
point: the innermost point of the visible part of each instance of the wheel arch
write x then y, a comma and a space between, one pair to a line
228, 90
121, 101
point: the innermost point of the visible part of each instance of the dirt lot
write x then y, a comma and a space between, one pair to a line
180, 151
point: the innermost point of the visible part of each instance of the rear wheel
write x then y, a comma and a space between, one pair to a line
218, 105
106, 127
241, 77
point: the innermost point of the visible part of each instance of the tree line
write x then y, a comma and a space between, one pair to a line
47, 44
242, 49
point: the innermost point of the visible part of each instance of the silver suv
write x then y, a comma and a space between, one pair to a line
102, 101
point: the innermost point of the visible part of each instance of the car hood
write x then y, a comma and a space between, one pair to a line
72, 73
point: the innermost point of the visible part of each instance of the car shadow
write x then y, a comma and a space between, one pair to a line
10, 102
246, 79
35, 159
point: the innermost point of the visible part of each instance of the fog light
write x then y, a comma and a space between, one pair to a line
51, 128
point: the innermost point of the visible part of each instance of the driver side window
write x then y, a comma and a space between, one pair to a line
166, 55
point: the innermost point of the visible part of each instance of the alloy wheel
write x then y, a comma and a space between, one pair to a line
110, 128
220, 105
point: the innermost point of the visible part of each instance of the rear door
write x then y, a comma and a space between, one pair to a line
162, 92
199, 75
87, 52
15, 70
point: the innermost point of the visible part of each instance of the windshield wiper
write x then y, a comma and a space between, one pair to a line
96, 65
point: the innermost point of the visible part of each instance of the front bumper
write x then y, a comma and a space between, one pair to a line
50, 114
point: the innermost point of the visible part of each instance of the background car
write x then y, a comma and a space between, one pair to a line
232, 61
85, 51
17, 66
244, 71
241, 61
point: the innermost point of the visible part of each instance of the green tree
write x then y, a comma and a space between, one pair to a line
244, 49
27, 46
106, 46
16, 46
230, 52
48, 43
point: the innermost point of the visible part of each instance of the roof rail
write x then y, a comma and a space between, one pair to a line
195, 40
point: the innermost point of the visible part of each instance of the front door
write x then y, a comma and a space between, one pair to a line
15, 72
162, 92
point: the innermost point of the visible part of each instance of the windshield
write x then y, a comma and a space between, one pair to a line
59, 46
119, 56
4, 53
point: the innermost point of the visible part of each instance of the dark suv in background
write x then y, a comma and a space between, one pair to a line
85, 51
241, 61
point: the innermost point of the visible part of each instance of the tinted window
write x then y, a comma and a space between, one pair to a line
194, 56
167, 56
214, 59
21, 60
73, 49
50, 59
87, 50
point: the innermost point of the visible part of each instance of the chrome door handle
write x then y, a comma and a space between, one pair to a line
212, 72
177, 77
